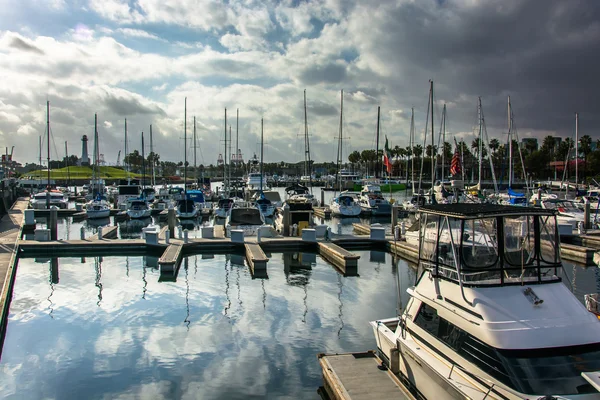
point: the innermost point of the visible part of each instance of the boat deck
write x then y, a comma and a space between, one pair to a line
360, 376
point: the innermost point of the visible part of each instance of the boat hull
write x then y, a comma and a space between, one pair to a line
139, 214
97, 214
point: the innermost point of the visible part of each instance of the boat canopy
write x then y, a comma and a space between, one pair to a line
196, 195
515, 194
225, 203
488, 244
245, 216
186, 205
344, 199
296, 188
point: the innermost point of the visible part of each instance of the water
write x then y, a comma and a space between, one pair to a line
106, 328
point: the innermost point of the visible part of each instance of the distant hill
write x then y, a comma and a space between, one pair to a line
82, 173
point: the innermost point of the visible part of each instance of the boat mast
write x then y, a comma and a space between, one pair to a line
195, 168
143, 164
377, 145
433, 152
411, 139
41, 166
261, 155
185, 147
126, 156
576, 148
307, 171
339, 154
95, 166
510, 164
153, 158
67, 164
225, 188
48, 146
443, 140
237, 138
480, 150
230, 162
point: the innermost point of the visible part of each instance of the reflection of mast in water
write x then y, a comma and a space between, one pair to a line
305, 304
238, 288
127, 266
68, 228
98, 268
262, 282
228, 306
341, 314
195, 265
597, 276
145, 281
395, 261
574, 280
187, 294
53, 279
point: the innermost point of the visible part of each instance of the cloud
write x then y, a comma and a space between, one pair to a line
138, 33
330, 73
160, 88
124, 104
21, 44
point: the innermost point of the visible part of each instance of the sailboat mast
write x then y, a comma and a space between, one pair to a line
225, 188
412, 148
337, 174
95, 165
261, 155
576, 148
443, 140
433, 152
153, 158
195, 168
230, 161
67, 164
307, 167
126, 155
480, 149
143, 163
237, 139
48, 146
510, 164
377, 145
185, 147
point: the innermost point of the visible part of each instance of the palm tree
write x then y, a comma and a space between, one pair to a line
548, 144
494, 145
585, 147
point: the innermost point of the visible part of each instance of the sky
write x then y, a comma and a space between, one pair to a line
140, 59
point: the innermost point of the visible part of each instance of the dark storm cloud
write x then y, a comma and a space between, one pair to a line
321, 109
330, 73
544, 53
123, 106
241, 69
20, 44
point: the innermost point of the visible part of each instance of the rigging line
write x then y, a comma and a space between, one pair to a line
341, 314
187, 296
424, 150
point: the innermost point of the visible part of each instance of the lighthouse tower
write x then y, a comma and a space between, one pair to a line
85, 159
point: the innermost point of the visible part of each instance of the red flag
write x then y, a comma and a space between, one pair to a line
455, 164
386, 157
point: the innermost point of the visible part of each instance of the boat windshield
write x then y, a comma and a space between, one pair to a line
493, 250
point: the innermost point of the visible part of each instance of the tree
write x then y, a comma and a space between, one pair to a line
548, 145
354, 158
494, 145
585, 147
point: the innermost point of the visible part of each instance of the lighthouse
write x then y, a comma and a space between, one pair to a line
85, 159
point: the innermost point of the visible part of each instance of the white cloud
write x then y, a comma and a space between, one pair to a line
160, 88
138, 33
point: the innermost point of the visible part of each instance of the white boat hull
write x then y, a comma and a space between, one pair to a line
138, 214
345, 211
97, 214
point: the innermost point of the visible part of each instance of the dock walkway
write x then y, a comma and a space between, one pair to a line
359, 376
10, 233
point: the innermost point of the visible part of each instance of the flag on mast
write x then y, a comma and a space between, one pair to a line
386, 157
455, 167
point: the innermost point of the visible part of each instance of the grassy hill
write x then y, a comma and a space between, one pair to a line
82, 173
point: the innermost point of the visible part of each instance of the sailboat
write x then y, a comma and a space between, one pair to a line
186, 207
98, 207
267, 209
139, 208
48, 198
343, 205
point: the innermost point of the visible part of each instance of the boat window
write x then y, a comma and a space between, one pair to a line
479, 247
533, 371
429, 237
519, 240
549, 244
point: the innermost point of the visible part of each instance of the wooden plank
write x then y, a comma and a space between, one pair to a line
108, 232
171, 257
341, 258
361, 229
256, 257
358, 376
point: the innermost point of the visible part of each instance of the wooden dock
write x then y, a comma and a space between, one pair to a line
359, 376
171, 258
108, 232
341, 258
10, 233
322, 212
256, 258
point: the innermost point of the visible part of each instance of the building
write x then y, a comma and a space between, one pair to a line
85, 159
529, 143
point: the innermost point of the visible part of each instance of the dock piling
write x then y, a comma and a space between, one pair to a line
180, 231
52, 223
29, 217
99, 233
171, 221
395, 210
322, 198
167, 236
286, 220
82, 232
587, 216
185, 236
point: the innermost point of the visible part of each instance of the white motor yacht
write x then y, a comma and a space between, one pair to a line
344, 205
491, 319
371, 201
568, 214
56, 199
244, 216
138, 209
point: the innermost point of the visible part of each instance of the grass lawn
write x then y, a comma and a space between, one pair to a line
82, 173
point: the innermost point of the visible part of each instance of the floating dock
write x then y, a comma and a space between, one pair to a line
359, 376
